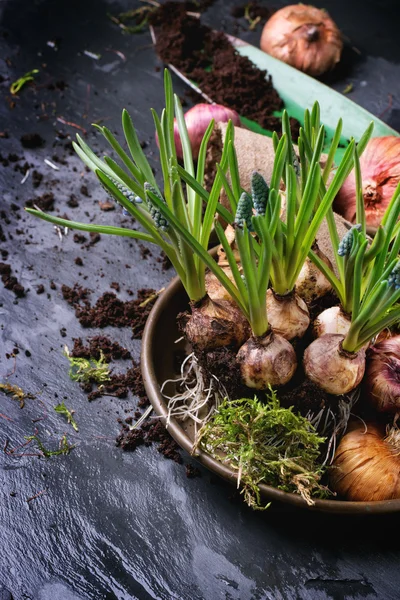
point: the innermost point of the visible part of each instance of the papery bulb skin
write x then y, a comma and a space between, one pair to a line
331, 320
267, 360
197, 120
366, 466
382, 375
331, 368
214, 324
311, 283
380, 171
215, 289
231, 238
304, 37
288, 315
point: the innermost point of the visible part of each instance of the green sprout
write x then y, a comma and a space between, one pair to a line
68, 414
17, 85
64, 446
265, 443
87, 370
282, 246
132, 184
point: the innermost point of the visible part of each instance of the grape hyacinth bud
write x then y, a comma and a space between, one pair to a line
259, 192
244, 211
394, 277
346, 244
129, 195
159, 221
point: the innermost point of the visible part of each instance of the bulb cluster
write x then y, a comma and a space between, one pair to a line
346, 244
159, 221
259, 192
244, 211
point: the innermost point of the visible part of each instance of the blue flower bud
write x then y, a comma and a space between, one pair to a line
159, 221
259, 192
394, 277
346, 244
244, 211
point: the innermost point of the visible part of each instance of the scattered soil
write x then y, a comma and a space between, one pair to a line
76, 296
150, 432
208, 58
36, 178
97, 345
32, 140
73, 201
10, 281
109, 310
44, 202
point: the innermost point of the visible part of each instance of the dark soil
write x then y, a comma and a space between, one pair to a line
44, 202
32, 140
10, 281
221, 363
207, 57
100, 344
109, 310
151, 431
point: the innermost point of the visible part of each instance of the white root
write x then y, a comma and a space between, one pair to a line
197, 398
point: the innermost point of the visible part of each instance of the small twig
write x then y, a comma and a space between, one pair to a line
151, 298
64, 122
5, 417
118, 53
36, 496
389, 106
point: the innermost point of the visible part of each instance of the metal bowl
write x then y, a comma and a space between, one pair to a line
159, 349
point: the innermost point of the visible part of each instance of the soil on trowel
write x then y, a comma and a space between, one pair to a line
208, 58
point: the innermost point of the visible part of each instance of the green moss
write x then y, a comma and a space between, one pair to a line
268, 444
88, 370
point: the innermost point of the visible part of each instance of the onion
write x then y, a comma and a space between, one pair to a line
380, 170
197, 120
311, 283
382, 376
215, 324
366, 466
304, 37
331, 320
267, 360
288, 315
332, 368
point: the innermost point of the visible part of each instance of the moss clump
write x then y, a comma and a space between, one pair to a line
265, 443
88, 370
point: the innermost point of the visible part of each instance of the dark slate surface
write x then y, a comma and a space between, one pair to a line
114, 525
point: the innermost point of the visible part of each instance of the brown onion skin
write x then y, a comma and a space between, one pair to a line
380, 171
366, 467
332, 369
288, 315
197, 120
214, 324
382, 375
267, 360
304, 37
